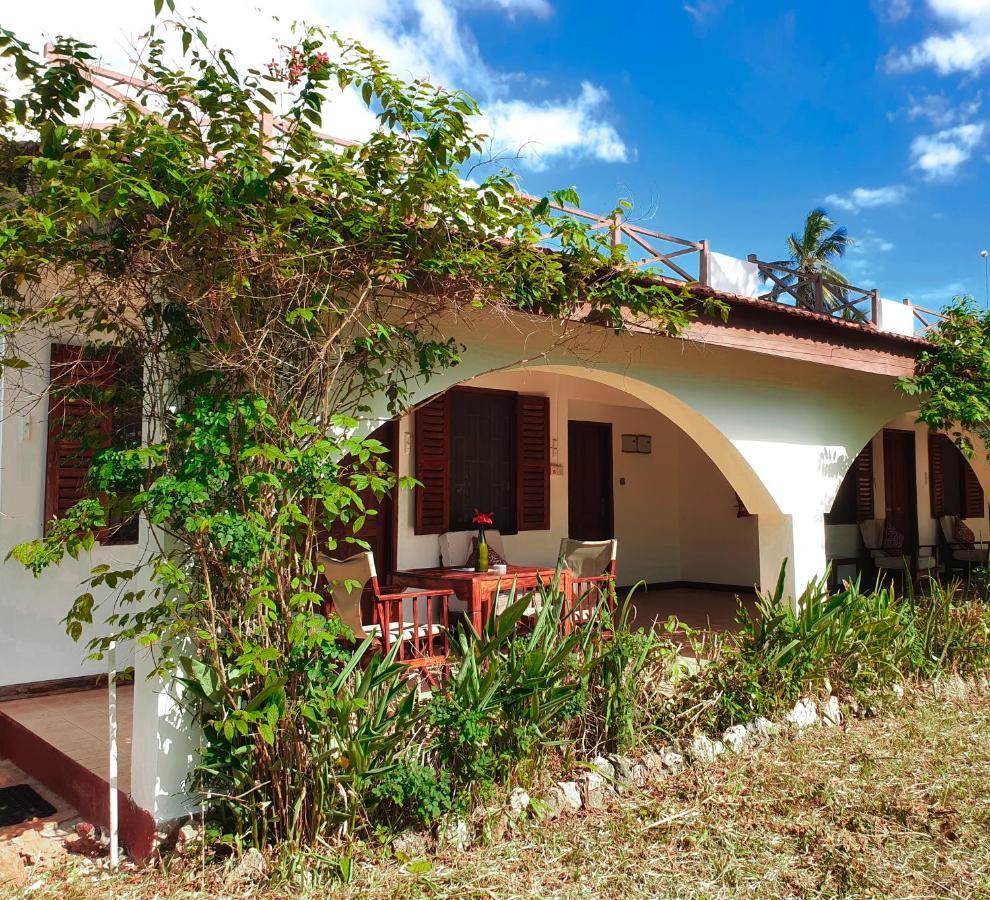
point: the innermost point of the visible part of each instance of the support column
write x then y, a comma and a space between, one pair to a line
164, 746
800, 539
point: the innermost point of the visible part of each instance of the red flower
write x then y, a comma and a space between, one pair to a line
481, 518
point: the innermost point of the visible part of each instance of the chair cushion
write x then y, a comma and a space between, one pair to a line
888, 562
970, 554
963, 534
893, 540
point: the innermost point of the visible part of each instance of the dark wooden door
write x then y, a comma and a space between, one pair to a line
378, 530
900, 485
589, 481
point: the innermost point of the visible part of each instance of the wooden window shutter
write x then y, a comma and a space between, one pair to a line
532, 463
432, 464
936, 481
863, 467
974, 503
77, 426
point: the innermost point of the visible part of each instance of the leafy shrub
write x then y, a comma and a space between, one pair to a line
412, 793
511, 694
952, 633
614, 684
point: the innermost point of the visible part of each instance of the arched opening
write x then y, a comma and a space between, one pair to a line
909, 498
623, 460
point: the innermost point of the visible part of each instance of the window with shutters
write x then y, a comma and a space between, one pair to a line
854, 499
482, 450
95, 402
955, 489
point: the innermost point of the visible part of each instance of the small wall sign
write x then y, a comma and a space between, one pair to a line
637, 443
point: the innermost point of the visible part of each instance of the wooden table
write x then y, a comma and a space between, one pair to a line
477, 589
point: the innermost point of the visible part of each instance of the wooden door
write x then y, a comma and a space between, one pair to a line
589, 481
900, 485
378, 530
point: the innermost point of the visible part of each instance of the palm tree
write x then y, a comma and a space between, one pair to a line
813, 253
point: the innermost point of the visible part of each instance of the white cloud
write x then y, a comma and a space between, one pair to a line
703, 10
861, 263
891, 10
941, 111
868, 198
963, 45
540, 8
568, 128
939, 155
419, 38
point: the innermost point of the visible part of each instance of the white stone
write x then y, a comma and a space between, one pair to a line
736, 738
622, 767
803, 715
518, 802
554, 802
639, 774
831, 714
762, 731
572, 795
652, 761
604, 767
409, 845
898, 691
673, 762
251, 867
455, 833
703, 749
593, 791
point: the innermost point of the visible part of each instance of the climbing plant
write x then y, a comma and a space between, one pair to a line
952, 376
280, 292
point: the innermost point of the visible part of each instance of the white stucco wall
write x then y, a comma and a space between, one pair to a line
675, 514
33, 642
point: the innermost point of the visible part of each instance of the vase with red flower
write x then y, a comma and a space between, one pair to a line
481, 547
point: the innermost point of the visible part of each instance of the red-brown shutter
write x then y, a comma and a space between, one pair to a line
77, 426
863, 468
532, 463
975, 505
432, 463
936, 466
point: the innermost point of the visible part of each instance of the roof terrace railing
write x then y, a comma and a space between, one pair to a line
646, 249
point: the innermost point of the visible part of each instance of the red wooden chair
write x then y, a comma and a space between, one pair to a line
417, 621
592, 567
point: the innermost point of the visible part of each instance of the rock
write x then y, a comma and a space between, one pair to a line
736, 738
33, 848
703, 749
555, 803
455, 833
409, 845
952, 687
673, 762
639, 776
623, 767
653, 762
762, 731
831, 713
804, 714
898, 691
593, 791
604, 767
518, 802
572, 795
250, 868
13, 873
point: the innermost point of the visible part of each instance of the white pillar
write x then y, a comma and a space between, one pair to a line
164, 744
800, 539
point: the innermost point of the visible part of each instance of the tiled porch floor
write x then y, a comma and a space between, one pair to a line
11, 775
77, 725
698, 608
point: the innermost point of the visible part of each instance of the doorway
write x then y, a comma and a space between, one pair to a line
900, 491
589, 481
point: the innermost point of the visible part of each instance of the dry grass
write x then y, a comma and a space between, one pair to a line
895, 806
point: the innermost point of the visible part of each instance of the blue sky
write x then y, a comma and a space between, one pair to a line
739, 117
718, 119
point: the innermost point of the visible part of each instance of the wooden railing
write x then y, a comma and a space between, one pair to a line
814, 292
646, 249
